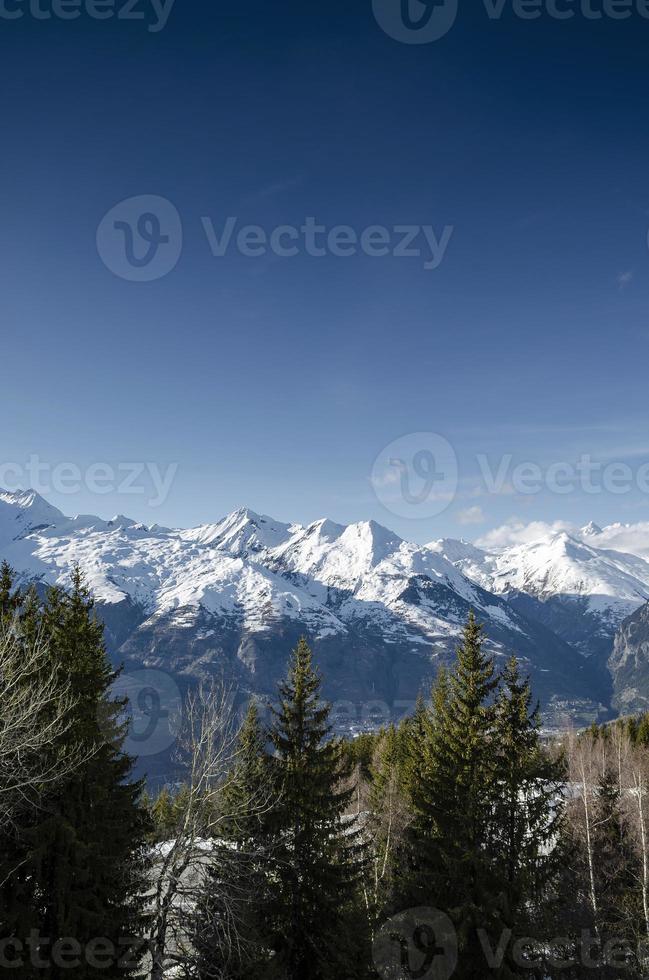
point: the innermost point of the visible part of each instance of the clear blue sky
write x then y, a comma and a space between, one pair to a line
275, 382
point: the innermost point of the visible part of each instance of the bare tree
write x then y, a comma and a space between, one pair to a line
386, 830
586, 762
621, 752
208, 752
35, 714
589, 759
637, 807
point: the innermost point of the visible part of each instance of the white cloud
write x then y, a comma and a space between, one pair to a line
630, 538
473, 515
624, 279
516, 532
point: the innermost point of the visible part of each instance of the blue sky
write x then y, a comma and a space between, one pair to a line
275, 382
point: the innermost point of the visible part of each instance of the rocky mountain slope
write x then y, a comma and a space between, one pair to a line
576, 585
629, 663
233, 597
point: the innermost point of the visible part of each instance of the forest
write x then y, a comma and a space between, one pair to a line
464, 841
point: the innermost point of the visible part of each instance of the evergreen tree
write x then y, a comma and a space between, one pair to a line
528, 811
230, 933
360, 751
248, 792
642, 735
85, 852
318, 853
453, 804
10, 599
162, 815
619, 902
632, 730
413, 738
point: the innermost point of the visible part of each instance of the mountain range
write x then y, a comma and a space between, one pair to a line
231, 598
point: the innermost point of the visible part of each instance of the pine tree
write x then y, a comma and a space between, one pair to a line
85, 855
619, 911
248, 792
414, 736
528, 810
632, 730
230, 935
453, 803
642, 735
162, 815
318, 853
10, 598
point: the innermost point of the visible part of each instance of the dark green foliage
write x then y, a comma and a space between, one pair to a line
248, 795
230, 932
453, 801
162, 815
484, 798
360, 752
616, 882
528, 816
318, 851
10, 598
82, 869
642, 734
458, 808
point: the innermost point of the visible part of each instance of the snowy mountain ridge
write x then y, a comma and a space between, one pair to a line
382, 612
242, 561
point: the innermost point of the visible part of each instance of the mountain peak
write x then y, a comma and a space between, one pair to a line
241, 531
591, 529
24, 511
23, 498
119, 520
244, 514
370, 542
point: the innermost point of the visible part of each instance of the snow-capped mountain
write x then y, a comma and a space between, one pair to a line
562, 563
24, 513
233, 597
612, 583
573, 581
